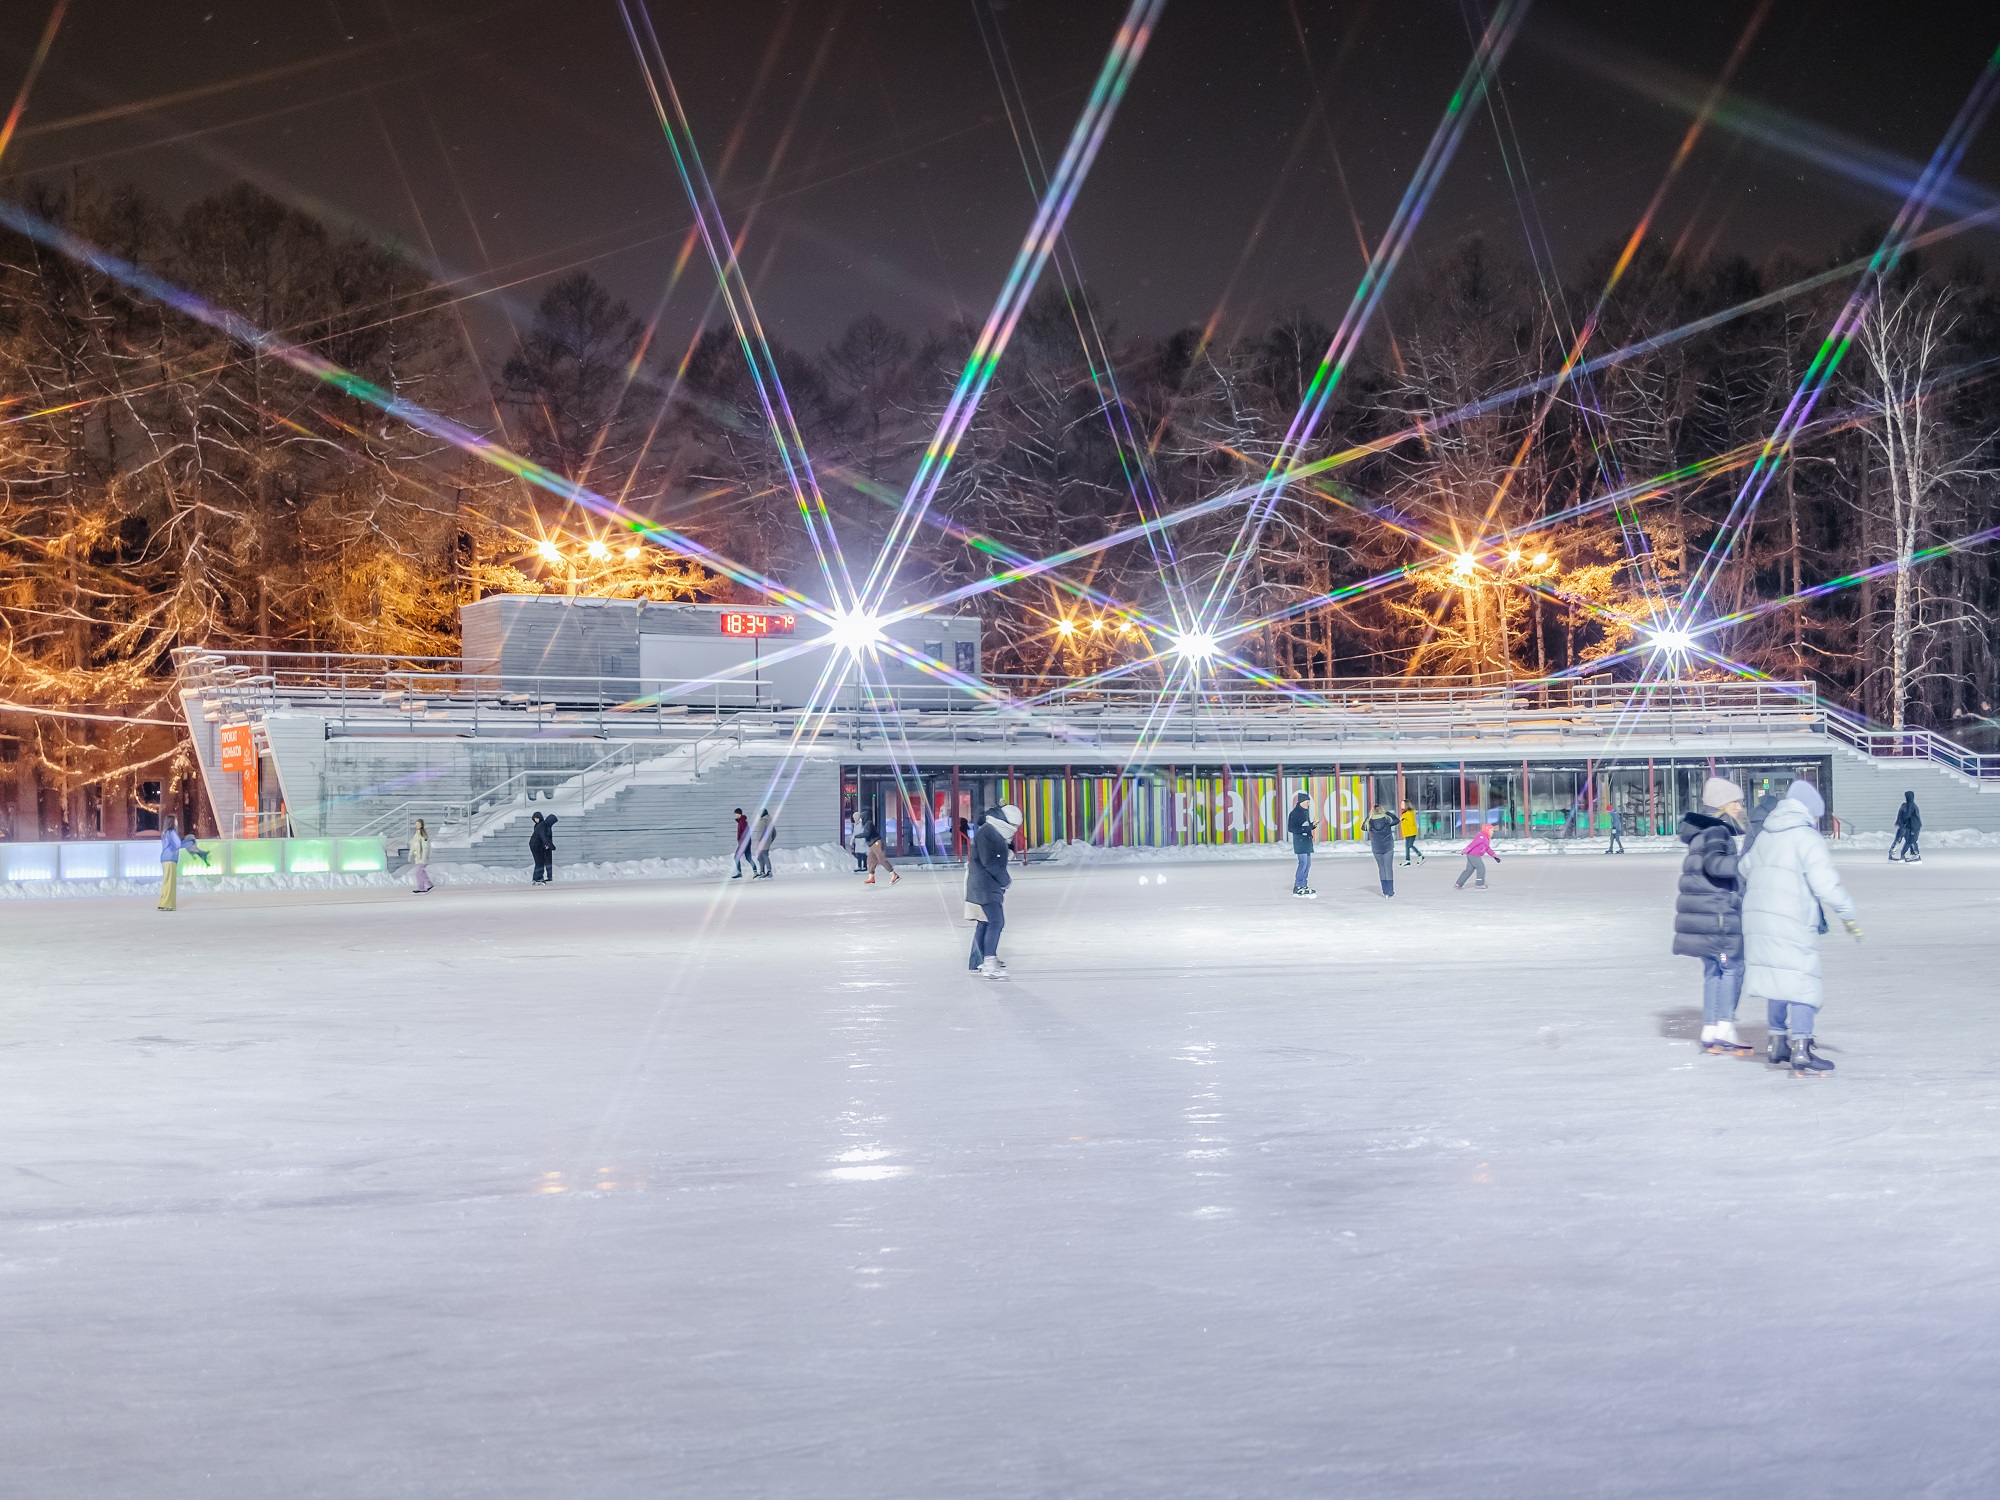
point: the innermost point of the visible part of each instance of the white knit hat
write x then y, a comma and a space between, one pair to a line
1719, 791
1009, 813
1807, 796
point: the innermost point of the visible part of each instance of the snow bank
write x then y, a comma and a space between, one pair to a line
1942, 838
1078, 852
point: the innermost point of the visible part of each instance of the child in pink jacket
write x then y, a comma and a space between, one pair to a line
1475, 862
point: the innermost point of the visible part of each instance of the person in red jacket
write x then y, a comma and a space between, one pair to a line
1476, 853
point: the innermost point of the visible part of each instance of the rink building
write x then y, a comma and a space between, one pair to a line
641, 726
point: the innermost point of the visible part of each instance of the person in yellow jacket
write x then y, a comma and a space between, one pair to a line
1410, 849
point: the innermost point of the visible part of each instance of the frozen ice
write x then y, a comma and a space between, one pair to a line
715, 1188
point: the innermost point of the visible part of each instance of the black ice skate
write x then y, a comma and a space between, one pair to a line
1780, 1050
1807, 1063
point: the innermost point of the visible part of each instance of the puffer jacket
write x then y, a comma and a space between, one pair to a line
986, 874
1788, 880
1708, 908
1381, 830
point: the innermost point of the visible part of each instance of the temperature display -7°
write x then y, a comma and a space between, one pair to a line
738, 623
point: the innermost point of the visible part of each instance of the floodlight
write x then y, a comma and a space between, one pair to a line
855, 631
1467, 562
1065, 627
1096, 624
549, 550
1513, 554
1673, 640
598, 550
1541, 558
632, 553
1195, 646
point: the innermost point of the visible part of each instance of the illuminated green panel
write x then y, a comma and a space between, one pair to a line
256, 856
362, 855
308, 856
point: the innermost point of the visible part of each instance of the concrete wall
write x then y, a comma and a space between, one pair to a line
524, 636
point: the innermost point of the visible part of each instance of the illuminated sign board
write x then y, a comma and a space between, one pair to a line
735, 623
237, 752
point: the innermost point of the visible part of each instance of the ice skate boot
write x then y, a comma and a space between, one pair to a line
1780, 1050
992, 969
869, 881
1723, 1042
1806, 1063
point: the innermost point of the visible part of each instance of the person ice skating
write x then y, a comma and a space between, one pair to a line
760, 843
1301, 827
1381, 831
535, 847
420, 858
1708, 911
858, 844
171, 844
742, 845
878, 855
1789, 884
1476, 854
1617, 844
1409, 831
1909, 823
986, 882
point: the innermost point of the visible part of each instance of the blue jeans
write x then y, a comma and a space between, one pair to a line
1304, 871
1721, 987
1791, 1016
986, 935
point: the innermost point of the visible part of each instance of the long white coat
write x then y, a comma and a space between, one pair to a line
1788, 877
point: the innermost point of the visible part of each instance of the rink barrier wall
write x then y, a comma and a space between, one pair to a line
139, 859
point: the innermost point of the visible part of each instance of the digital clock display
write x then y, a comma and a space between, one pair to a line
735, 623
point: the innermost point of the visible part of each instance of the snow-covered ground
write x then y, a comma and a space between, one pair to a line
747, 1189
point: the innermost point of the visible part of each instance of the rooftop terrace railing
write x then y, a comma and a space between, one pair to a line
391, 696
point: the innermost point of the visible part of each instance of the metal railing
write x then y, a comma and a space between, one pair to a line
387, 695
458, 820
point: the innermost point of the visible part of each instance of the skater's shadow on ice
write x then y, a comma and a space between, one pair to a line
1684, 1025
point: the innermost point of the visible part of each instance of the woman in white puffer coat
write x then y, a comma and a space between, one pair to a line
1788, 884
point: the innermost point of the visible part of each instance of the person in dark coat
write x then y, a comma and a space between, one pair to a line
1909, 823
742, 842
986, 882
548, 850
1708, 912
1617, 844
1301, 827
538, 848
1381, 831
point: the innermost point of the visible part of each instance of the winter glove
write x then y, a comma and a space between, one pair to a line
1853, 928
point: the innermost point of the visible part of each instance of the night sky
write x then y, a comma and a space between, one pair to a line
507, 140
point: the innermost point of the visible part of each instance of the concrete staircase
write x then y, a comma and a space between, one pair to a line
1867, 790
660, 809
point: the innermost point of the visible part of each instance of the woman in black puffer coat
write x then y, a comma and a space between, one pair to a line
1708, 912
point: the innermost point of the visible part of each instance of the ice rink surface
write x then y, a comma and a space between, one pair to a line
660, 1189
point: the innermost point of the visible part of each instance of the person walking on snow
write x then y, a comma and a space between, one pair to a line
1909, 823
986, 882
1476, 854
171, 844
878, 855
1301, 827
1381, 831
742, 845
1708, 912
420, 859
760, 843
1617, 844
1789, 884
1409, 831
